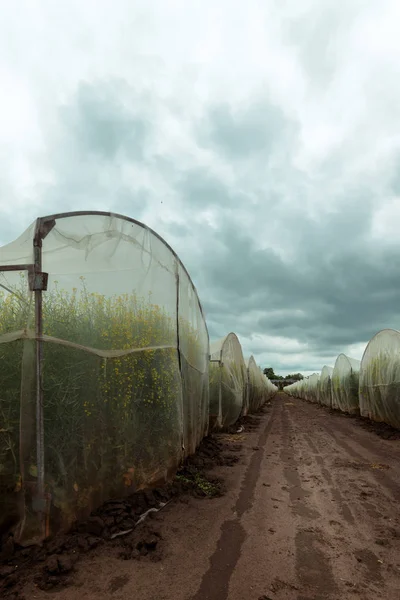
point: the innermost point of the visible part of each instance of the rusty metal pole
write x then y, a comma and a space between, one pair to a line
38, 284
40, 502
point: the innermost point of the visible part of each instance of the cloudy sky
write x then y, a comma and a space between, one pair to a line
261, 139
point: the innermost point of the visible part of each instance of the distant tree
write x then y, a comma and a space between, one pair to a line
270, 373
296, 376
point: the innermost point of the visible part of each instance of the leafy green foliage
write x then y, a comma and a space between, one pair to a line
270, 373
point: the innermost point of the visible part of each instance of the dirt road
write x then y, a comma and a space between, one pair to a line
310, 513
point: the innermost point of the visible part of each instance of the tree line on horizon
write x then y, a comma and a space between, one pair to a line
270, 373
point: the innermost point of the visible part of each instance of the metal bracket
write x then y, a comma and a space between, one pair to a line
43, 229
38, 281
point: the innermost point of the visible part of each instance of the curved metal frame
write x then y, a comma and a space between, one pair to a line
82, 213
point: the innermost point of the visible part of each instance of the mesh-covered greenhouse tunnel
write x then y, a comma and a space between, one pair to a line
380, 378
104, 374
259, 388
290, 390
272, 389
228, 381
345, 380
294, 389
324, 390
305, 389
311, 389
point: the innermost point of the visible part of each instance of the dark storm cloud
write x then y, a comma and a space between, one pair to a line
338, 289
342, 302
201, 189
102, 129
104, 122
243, 132
333, 291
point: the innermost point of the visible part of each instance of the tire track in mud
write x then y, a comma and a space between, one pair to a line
391, 489
333, 557
215, 582
376, 491
372, 494
381, 477
348, 451
297, 493
334, 490
363, 487
313, 566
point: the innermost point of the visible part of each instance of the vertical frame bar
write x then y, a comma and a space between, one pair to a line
39, 283
40, 503
178, 348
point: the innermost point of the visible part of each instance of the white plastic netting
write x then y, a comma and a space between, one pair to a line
259, 388
306, 389
345, 380
311, 388
228, 382
125, 367
293, 389
380, 378
324, 391
335, 387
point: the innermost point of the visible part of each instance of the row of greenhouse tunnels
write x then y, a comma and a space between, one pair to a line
108, 377
369, 388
